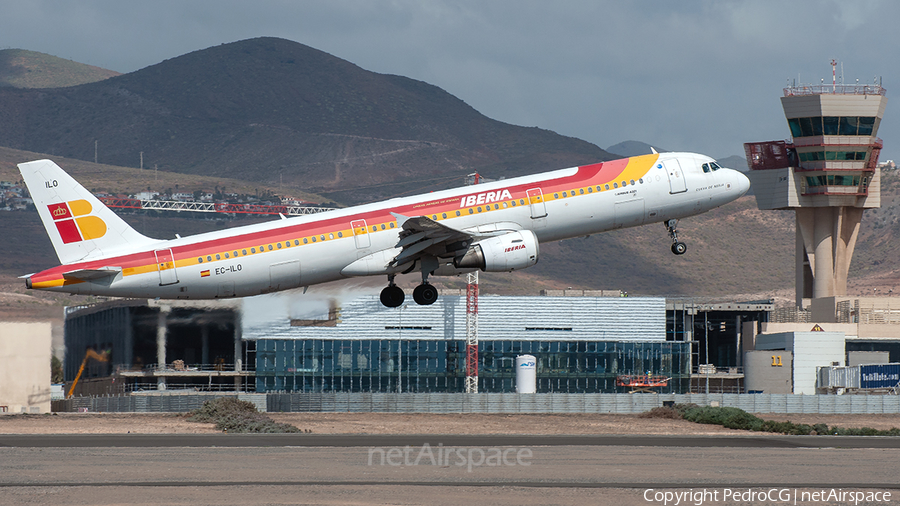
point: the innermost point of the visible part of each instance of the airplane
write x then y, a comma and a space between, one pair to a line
492, 227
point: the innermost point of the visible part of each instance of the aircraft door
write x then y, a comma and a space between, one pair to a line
360, 233
165, 264
677, 184
536, 200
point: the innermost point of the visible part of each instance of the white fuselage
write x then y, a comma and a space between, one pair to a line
312, 249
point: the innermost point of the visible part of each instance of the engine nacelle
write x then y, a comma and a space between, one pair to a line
507, 252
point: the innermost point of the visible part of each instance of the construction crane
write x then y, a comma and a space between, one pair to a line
100, 357
472, 316
472, 333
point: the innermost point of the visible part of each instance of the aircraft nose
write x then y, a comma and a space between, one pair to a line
743, 182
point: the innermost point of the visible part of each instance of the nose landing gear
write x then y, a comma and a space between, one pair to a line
678, 247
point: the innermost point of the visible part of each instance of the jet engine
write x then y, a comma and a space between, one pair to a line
507, 252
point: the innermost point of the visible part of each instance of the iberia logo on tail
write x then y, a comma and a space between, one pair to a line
74, 223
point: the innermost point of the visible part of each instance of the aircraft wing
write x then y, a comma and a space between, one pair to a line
93, 274
421, 236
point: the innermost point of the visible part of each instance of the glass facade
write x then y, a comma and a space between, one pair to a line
814, 156
832, 180
324, 365
832, 125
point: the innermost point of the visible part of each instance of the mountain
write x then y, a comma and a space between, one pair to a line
633, 148
734, 162
20, 68
636, 148
270, 110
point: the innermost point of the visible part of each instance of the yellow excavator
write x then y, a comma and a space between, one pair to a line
100, 357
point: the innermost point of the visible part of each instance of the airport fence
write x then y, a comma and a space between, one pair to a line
488, 403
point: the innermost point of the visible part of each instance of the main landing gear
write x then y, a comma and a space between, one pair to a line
392, 295
424, 294
678, 247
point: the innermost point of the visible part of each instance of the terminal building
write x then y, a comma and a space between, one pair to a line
583, 341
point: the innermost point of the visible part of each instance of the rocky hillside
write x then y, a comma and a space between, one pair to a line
20, 68
270, 110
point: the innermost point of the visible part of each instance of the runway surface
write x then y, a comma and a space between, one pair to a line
367, 440
431, 469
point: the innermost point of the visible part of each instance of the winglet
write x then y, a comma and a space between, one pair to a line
653, 150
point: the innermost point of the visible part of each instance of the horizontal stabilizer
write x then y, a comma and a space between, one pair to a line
93, 274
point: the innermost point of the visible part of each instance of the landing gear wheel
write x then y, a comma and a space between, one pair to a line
425, 295
678, 247
392, 296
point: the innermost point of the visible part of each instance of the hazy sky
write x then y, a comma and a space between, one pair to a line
700, 76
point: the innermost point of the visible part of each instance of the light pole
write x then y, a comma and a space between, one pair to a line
400, 351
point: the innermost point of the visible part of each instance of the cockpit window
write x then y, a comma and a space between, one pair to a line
705, 167
714, 166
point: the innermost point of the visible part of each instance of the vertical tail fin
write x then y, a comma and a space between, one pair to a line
79, 225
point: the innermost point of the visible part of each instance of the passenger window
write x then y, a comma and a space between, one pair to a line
244, 252
471, 210
382, 226
305, 240
581, 191
340, 234
479, 209
331, 236
565, 195
252, 250
270, 247
433, 217
297, 243
235, 254
522, 201
496, 206
514, 203
209, 258
443, 216
322, 237
623, 184
200, 260
279, 245
607, 187
505, 205
642, 180
457, 213
314, 238
590, 190
218, 257
556, 195
631, 182
598, 188
615, 185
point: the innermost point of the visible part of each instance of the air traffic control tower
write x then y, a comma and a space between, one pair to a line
827, 173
